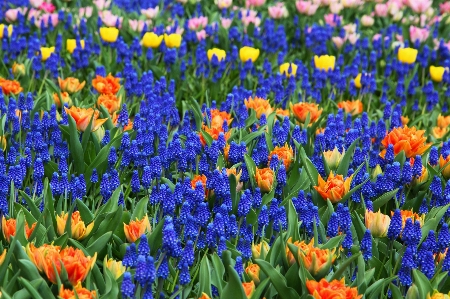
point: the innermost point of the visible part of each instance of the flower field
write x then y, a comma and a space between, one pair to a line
224, 149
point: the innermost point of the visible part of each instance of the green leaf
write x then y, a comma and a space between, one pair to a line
204, 278
259, 291
278, 281
32, 289
30, 204
309, 167
155, 237
396, 294
422, 283
346, 159
218, 271
251, 169
100, 244
76, 150
195, 107
141, 209
293, 222
343, 266
234, 287
85, 213
383, 199
333, 243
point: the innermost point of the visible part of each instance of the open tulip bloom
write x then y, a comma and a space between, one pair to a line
225, 149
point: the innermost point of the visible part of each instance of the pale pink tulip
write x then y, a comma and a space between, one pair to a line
178, 30
418, 34
102, 4
419, 6
250, 16
150, 13
109, 19
367, 21
351, 3
338, 41
221, 4
306, 7
350, 28
47, 18
381, 10
12, 13
33, 13
376, 37
226, 23
138, 25
198, 23
352, 38
278, 11
85, 11
336, 7
36, 3
254, 3
332, 19
201, 35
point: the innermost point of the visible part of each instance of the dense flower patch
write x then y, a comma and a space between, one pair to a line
224, 149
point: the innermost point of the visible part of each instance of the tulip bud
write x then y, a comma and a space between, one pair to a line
260, 250
115, 267
249, 288
18, 69
253, 272
413, 293
377, 223
264, 179
317, 261
333, 158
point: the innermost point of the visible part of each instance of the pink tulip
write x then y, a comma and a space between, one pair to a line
418, 34
109, 19
178, 30
138, 25
47, 7
278, 11
33, 13
352, 38
367, 21
419, 6
381, 10
350, 28
338, 41
221, 4
306, 7
102, 4
376, 37
198, 23
445, 7
201, 35
12, 13
226, 23
332, 19
85, 11
399, 38
254, 3
47, 18
36, 3
150, 13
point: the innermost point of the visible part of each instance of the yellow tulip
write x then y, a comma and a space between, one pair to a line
2, 29
436, 73
324, 62
219, 53
116, 267
407, 55
172, 40
248, 53
284, 69
78, 228
109, 34
333, 158
46, 52
3, 256
377, 223
151, 40
357, 81
72, 44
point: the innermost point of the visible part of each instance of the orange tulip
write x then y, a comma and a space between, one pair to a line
204, 296
136, 228
442, 163
423, 176
301, 111
249, 288
70, 84
264, 179
334, 188
405, 120
233, 171
115, 118
10, 86
75, 262
413, 216
282, 112
110, 101
439, 132
317, 261
198, 178
81, 293
260, 105
218, 117
39, 255
406, 139
253, 272
78, 228
443, 121
9, 228
285, 153
377, 223
351, 107
303, 246
108, 84
335, 289
214, 132
64, 99
82, 117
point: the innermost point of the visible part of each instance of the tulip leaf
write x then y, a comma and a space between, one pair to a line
85, 213
431, 224
383, 199
234, 287
251, 169
292, 222
309, 167
155, 237
111, 287
75, 147
28, 269
332, 243
278, 281
346, 159
86, 134
32, 288
204, 278
396, 293
196, 109
422, 283
259, 291
218, 271
140, 210
31, 205
250, 137
99, 245
343, 266
49, 205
